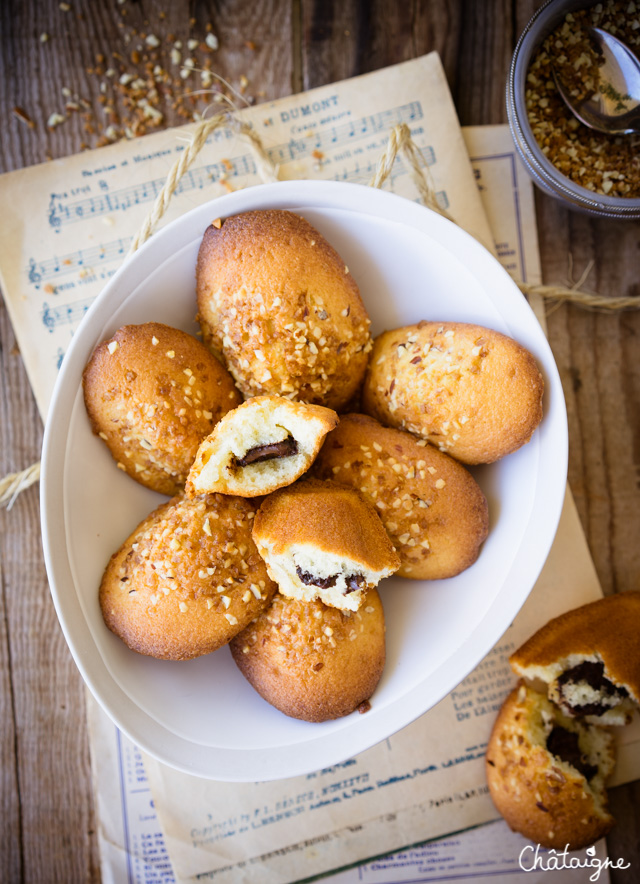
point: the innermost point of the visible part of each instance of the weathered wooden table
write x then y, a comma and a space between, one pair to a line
54, 53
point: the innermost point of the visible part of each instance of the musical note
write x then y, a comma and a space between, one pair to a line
47, 318
54, 219
33, 274
65, 313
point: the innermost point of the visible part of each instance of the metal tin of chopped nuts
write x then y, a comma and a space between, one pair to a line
546, 176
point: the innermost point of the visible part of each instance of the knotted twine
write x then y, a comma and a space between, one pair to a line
399, 142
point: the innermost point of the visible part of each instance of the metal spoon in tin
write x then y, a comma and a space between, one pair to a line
614, 107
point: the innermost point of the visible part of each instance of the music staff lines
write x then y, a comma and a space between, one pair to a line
72, 262
196, 179
119, 200
61, 314
361, 174
345, 133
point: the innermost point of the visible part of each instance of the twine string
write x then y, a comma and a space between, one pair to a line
587, 300
15, 483
399, 142
203, 130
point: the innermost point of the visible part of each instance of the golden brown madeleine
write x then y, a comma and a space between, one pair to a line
311, 661
323, 541
187, 580
277, 301
264, 444
589, 659
547, 772
152, 394
473, 392
431, 506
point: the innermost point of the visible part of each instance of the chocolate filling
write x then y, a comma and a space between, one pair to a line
353, 581
564, 745
269, 451
310, 580
592, 674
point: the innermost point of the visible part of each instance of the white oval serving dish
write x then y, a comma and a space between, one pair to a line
201, 716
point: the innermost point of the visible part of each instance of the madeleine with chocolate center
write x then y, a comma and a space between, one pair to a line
322, 541
264, 444
547, 772
587, 659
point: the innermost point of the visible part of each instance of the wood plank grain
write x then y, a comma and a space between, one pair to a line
594, 353
482, 59
51, 823
622, 842
267, 48
342, 40
11, 831
46, 775
600, 381
254, 58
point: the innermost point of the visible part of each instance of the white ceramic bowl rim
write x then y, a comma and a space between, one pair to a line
318, 745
